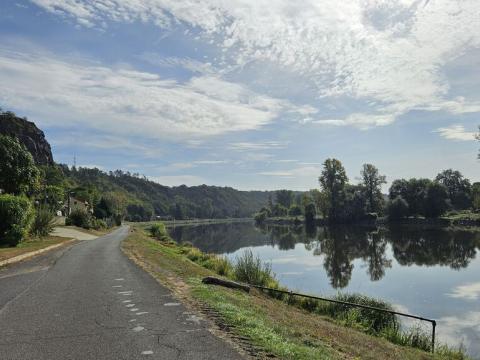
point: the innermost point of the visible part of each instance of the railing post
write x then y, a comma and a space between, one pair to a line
434, 324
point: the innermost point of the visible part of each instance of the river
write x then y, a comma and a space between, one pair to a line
434, 273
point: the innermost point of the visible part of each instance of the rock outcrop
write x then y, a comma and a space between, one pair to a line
28, 134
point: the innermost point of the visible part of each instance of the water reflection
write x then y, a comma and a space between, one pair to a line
341, 246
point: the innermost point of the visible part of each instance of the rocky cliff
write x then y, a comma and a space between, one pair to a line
28, 134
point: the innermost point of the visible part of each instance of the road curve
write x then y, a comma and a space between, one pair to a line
90, 301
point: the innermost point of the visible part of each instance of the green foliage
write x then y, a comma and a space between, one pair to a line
250, 269
284, 198
80, 218
458, 188
476, 196
44, 221
295, 210
159, 232
16, 214
279, 210
260, 217
436, 200
333, 180
397, 208
99, 224
372, 182
310, 213
18, 173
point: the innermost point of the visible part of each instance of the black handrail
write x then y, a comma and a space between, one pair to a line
291, 293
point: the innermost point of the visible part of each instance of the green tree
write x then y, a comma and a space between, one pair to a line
295, 210
436, 201
476, 196
372, 182
16, 214
397, 208
284, 198
310, 213
320, 198
18, 173
458, 188
333, 180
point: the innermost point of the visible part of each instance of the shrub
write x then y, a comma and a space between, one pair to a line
43, 223
260, 217
159, 231
295, 210
16, 215
98, 224
79, 218
250, 269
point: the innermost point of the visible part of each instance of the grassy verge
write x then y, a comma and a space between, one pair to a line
29, 245
288, 332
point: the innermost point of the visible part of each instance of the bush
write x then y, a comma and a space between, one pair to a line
249, 269
295, 210
260, 217
79, 218
159, 231
98, 224
16, 215
43, 223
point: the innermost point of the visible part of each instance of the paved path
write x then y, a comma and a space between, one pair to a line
90, 302
72, 233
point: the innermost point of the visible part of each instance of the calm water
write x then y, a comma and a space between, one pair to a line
434, 273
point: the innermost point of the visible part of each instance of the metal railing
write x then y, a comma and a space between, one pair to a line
291, 293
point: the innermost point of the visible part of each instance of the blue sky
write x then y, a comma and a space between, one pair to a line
249, 94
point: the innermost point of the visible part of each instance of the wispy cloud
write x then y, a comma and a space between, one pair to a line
467, 291
456, 132
387, 55
125, 101
263, 145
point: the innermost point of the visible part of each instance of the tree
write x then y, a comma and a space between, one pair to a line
16, 214
320, 198
436, 200
295, 210
284, 198
397, 208
18, 173
333, 180
310, 213
372, 182
476, 196
458, 188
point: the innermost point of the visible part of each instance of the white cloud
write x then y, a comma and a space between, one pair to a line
130, 102
276, 173
467, 291
387, 54
456, 132
264, 145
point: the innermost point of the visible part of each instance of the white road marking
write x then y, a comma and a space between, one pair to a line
135, 309
119, 279
132, 320
126, 301
142, 313
171, 304
129, 292
147, 352
130, 305
117, 286
138, 328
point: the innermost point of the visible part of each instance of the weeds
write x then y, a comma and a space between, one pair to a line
43, 222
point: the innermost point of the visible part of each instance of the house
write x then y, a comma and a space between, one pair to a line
77, 204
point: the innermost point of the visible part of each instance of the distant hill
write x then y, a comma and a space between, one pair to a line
29, 135
180, 201
143, 198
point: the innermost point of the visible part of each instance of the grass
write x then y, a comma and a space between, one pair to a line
29, 245
303, 331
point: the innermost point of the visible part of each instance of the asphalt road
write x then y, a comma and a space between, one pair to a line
89, 301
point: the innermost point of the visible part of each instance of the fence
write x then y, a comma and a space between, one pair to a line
291, 293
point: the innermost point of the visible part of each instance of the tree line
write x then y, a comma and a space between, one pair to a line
339, 201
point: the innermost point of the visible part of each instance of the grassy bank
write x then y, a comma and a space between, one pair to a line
30, 245
270, 324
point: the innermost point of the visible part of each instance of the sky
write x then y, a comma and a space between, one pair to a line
253, 94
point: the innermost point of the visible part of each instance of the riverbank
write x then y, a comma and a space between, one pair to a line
466, 220
267, 324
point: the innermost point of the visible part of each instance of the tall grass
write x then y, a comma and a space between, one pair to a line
43, 222
159, 232
250, 269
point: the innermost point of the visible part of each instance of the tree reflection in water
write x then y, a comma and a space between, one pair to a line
342, 245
